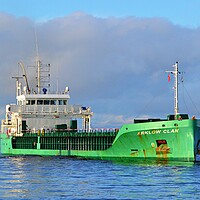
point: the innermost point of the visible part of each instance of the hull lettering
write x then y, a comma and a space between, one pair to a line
153, 132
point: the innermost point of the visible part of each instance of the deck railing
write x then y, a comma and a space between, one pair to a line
85, 141
35, 109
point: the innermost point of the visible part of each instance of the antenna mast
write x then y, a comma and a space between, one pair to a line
43, 71
175, 73
37, 63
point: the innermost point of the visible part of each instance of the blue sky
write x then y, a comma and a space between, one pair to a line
182, 12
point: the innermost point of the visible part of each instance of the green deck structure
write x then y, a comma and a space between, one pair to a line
161, 140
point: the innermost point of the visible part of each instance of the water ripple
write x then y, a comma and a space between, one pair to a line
56, 178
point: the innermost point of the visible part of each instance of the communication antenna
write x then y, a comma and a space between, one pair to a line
37, 62
36, 46
43, 71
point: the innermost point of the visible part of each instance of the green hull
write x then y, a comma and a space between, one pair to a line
161, 140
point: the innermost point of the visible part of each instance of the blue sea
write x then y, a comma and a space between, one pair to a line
67, 178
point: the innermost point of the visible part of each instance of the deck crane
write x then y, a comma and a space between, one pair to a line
25, 76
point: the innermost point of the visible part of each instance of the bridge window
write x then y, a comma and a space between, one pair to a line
53, 102
46, 102
60, 102
32, 102
39, 102
28, 102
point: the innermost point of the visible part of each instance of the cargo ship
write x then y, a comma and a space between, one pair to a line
43, 123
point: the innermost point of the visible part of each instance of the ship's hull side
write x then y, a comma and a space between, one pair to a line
163, 140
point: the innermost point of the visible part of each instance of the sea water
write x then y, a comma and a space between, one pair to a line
67, 178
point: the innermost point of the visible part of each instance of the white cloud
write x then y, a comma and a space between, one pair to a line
115, 65
110, 121
2, 112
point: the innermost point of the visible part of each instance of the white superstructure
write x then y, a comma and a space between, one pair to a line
42, 111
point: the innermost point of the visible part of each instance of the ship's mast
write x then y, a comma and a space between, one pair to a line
38, 75
37, 63
43, 71
176, 89
175, 73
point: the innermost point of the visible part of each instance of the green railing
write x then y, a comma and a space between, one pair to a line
24, 142
85, 141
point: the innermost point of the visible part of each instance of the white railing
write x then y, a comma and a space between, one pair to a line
35, 109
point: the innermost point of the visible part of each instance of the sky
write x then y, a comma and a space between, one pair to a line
181, 12
112, 54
